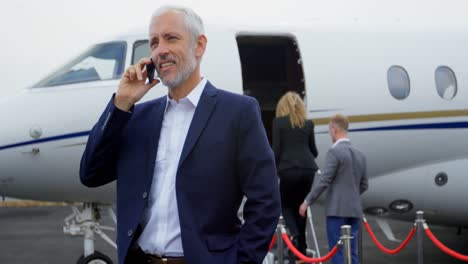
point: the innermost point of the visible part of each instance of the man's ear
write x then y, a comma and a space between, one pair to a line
201, 46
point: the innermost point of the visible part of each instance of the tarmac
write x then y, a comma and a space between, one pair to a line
34, 235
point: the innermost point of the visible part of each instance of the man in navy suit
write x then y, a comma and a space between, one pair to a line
183, 162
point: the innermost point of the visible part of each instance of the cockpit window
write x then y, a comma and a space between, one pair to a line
101, 62
140, 49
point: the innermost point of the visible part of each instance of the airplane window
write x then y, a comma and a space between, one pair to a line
398, 82
140, 49
446, 82
101, 62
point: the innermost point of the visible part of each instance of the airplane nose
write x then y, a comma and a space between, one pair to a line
16, 151
9, 117
6, 137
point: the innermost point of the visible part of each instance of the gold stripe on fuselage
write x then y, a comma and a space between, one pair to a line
72, 145
397, 116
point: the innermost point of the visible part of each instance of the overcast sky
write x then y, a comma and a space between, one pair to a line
39, 36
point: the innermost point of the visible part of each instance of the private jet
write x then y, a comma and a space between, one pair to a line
404, 87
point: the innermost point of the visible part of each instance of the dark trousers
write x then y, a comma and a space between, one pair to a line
334, 233
135, 256
295, 184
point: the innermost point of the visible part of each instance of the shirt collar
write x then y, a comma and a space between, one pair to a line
194, 96
340, 140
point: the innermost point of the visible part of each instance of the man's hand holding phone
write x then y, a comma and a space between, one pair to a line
133, 85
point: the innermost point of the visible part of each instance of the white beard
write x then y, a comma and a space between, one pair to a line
184, 72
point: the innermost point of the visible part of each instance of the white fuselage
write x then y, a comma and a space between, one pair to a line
407, 142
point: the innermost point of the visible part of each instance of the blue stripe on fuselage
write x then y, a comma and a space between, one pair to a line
451, 125
47, 139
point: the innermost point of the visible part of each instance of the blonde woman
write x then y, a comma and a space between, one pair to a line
295, 153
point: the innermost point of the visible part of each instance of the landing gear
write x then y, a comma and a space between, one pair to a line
86, 223
95, 258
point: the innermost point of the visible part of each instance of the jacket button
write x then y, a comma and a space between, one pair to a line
130, 232
145, 195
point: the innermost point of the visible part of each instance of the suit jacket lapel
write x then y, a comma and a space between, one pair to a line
154, 132
204, 109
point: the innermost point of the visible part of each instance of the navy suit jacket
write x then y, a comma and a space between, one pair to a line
226, 155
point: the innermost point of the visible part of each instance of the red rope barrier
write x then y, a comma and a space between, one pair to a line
443, 247
383, 248
272, 243
305, 258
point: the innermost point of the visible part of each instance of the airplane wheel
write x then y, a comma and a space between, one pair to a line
95, 258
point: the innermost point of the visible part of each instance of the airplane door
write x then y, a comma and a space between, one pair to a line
271, 66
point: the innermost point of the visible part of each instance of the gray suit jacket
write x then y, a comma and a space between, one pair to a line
345, 177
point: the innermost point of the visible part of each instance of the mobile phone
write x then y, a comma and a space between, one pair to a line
150, 68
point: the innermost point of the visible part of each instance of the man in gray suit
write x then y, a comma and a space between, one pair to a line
345, 178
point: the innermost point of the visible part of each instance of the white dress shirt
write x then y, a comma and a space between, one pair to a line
161, 227
340, 140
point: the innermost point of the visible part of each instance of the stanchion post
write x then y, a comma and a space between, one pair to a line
420, 235
346, 237
279, 240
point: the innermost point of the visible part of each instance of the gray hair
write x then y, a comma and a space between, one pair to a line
193, 22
